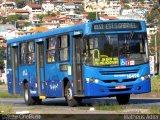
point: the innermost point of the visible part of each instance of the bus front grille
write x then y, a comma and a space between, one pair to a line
110, 81
116, 81
129, 80
118, 72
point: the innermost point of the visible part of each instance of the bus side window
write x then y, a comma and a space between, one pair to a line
8, 56
31, 54
51, 49
23, 54
63, 48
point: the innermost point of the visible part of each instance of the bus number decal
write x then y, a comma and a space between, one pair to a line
136, 75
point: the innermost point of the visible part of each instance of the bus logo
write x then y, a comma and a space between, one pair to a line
24, 73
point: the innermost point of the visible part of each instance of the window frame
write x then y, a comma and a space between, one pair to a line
9, 63
28, 53
52, 49
25, 53
63, 48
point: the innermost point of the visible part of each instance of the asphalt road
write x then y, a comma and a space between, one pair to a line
59, 105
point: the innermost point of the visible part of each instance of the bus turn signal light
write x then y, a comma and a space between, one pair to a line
147, 76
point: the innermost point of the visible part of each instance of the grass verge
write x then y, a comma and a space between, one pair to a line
7, 95
3, 87
155, 83
155, 110
6, 109
109, 107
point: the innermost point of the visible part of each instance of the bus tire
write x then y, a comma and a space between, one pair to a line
38, 101
71, 100
27, 97
123, 99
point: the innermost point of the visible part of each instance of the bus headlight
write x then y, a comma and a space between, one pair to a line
96, 80
142, 78
145, 77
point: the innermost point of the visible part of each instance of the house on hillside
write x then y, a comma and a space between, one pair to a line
33, 8
24, 13
2, 41
38, 30
3, 13
47, 7
50, 22
34, 20
69, 6
8, 5
106, 17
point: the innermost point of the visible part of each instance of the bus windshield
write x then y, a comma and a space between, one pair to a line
116, 49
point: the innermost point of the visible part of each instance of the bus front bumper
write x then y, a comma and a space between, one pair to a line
98, 90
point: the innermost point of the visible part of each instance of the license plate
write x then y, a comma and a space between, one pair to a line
120, 87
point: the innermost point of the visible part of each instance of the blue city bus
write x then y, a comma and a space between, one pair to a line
91, 60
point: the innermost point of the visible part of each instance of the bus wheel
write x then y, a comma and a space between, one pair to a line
123, 99
38, 101
28, 99
71, 100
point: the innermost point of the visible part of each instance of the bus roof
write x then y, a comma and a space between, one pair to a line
64, 30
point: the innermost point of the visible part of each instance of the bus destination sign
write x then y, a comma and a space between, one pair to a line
110, 26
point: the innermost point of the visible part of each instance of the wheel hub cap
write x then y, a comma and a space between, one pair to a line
69, 94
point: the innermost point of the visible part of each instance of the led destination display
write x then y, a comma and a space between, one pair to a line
110, 26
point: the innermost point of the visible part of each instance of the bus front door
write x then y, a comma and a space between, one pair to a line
77, 66
40, 68
15, 71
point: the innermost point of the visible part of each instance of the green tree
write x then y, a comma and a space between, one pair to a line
27, 24
124, 1
2, 20
152, 42
154, 16
142, 1
81, 8
53, 14
92, 16
40, 16
127, 7
13, 18
21, 3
